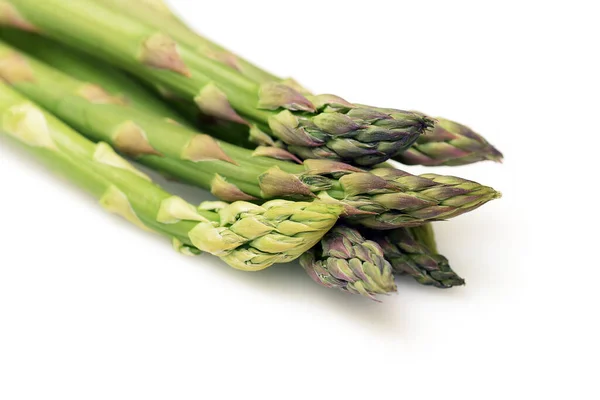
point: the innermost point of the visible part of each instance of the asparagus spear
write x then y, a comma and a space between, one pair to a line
345, 260
413, 252
246, 236
323, 126
448, 144
383, 198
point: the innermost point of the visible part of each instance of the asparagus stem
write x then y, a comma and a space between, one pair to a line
323, 126
244, 235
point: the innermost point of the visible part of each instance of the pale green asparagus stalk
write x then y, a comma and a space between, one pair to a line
323, 126
246, 236
383, 198
345, 260
449, 143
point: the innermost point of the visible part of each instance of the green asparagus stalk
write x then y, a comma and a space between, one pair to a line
413, 251
246, 236
159, 16
384, 198
345, 260
86, 68
323, 126
448, 144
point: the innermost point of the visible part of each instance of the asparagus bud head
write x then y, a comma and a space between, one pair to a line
345, 260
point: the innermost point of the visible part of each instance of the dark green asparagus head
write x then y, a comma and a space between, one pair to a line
449, 143
411, 251
345, 260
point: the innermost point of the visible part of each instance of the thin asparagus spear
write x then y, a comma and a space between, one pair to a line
345, 260
246, 236
323, 126
383, 198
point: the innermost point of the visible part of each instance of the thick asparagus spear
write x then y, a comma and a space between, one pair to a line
323, 126
383, 198
345, 260
246, 236
448, 144
413, 251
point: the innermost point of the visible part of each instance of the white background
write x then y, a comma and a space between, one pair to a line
92, 308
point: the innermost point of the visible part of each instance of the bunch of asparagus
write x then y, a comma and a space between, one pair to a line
297, 175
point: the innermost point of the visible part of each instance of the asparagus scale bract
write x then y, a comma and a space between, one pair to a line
322, 126
383, 198
246, 236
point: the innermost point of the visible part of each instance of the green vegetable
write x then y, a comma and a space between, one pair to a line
246, 236
383, 198
323, 126
449, 143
